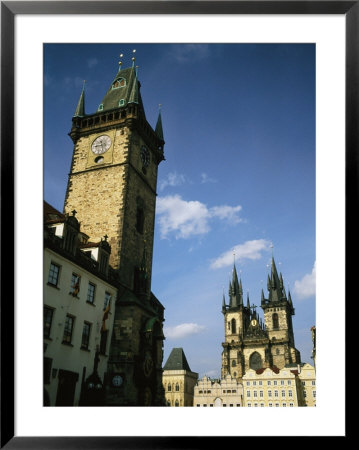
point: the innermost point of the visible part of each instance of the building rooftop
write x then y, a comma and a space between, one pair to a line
177, 360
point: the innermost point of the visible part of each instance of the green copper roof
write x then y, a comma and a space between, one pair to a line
124, 89
177, 360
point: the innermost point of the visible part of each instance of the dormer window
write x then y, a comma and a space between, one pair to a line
100, 108
119, 83
121, 102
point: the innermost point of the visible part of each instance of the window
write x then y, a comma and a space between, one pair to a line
269, 382
85, 336
177, 403
233, 326
103, 342
284, 405
303, 383
313, 383
204, 405
277, 405
262, 405
121, 102
314, 394
255, 361
169, 388
249, 405
54, 274
248, 393
91, 293
261, 394
291, 405
254, 383
254, 393
75, 285
290, 393
48, 314
107, 300
277, 351
248, 383
276, 394
69, 325
305, 394
275, 382
233, 363
231, 404
224, 405
282, 382
260, 383
100, 108
120, 82
269, 393
283, 393
275, 321
256, 405
270, 404
289, 382
177, 387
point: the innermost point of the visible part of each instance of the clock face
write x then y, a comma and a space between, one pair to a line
254, 322
101, 144
145, 156
117, 380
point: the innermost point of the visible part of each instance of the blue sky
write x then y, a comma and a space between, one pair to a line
239, 174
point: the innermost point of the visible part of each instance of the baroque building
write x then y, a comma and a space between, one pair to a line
251, 343
178, 379
112, 186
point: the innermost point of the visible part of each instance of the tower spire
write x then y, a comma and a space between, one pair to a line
159, 129
80, 109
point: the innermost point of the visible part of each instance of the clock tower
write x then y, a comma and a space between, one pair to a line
112, 186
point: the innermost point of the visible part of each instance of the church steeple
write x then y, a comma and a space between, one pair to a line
275, 285
235, 290
80, 109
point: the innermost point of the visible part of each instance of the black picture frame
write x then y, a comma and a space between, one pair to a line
9, 9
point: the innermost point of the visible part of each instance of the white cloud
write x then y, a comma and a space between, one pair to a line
190, 218
206, 179
225, 212
173, 179
248, 250
183, 330
305, 287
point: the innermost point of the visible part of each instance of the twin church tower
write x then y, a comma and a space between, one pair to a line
250, 343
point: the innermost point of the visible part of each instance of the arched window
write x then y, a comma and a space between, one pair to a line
169, 388
233, 363
275, 321
255, 361
233, 326
177, 387
176, 403
120, 82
